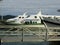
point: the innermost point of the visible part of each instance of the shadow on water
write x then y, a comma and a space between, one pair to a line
25, 43
32, 43
54, 43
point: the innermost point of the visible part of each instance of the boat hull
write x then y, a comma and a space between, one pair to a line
51, 22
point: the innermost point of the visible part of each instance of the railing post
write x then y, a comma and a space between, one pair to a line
46, 36
22, 34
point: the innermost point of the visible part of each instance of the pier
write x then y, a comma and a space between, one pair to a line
34, 33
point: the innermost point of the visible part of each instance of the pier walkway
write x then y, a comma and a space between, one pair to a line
13, 33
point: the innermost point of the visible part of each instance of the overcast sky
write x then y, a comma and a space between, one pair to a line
16, 7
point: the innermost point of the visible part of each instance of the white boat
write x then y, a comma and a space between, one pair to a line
25, 19
34, 19
53, 20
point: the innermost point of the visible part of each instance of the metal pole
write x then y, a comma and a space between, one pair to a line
22, 34
46, 36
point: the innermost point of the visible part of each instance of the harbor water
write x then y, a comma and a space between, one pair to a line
25, 43
32, 43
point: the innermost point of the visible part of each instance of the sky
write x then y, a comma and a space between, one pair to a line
17, 7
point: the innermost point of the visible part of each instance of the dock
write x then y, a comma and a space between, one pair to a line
29, 33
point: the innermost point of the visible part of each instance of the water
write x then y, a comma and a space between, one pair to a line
32, 43
26, 43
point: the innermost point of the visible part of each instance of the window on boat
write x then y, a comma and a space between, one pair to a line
28, 16
22, 17
35, 16
58, 30
19, 17
49, 17
57, 19
54, 30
